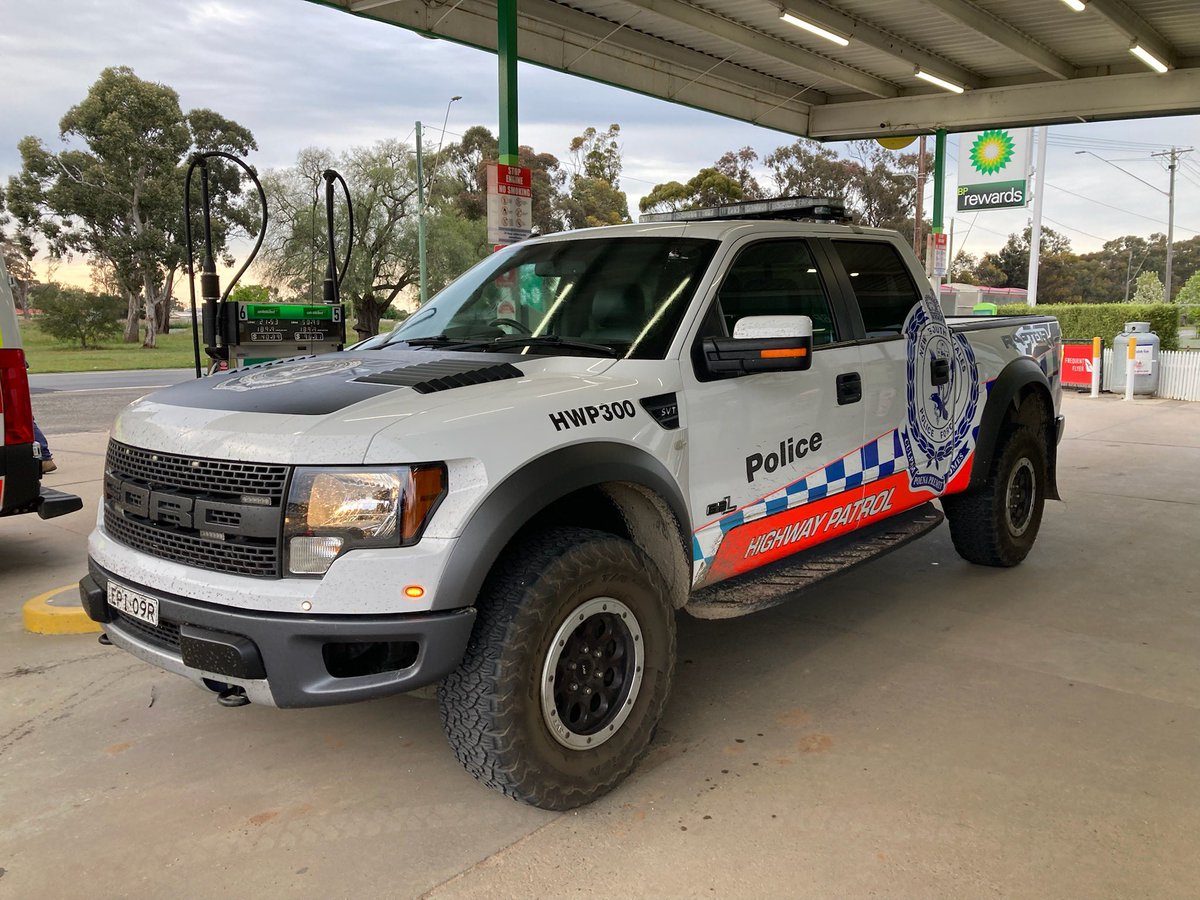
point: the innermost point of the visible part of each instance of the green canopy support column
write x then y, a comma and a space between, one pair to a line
506, 52
939, 179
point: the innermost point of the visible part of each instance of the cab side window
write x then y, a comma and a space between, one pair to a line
882, 284
777, 278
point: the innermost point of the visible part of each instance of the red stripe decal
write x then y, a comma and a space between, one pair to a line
766, 540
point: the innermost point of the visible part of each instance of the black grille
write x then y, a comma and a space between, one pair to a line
209, 476
164, 635
164, 528
233, 556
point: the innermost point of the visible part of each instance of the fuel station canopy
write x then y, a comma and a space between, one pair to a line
841, 69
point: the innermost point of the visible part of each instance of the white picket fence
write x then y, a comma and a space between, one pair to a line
1178, 374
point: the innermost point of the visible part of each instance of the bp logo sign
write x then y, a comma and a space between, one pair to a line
993, 169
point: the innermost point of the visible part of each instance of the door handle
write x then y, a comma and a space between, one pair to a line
939, 371
849, 388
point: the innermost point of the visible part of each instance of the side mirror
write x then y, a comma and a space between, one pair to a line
762, 344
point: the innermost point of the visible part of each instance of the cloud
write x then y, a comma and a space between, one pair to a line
300, 74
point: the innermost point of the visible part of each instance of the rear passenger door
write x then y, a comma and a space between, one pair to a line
916, 412
769, 453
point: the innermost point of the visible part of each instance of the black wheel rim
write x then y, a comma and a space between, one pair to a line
592, 673
1020, 496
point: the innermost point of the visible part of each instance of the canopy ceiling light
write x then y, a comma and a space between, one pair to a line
1148, 58
1077, 5
940, 82
814, 28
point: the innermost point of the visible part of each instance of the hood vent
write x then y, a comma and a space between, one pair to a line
443, 375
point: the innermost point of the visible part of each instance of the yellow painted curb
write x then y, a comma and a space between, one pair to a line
58, 612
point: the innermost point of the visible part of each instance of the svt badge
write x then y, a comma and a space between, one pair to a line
938, 436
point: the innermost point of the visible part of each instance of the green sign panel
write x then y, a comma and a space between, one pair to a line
993, 195
323, 312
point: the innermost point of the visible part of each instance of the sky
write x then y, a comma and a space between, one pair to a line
298, 74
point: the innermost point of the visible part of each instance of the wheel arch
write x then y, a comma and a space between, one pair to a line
644, 498
1018, 381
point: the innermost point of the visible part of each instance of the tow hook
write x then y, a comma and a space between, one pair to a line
105, 639
233, 696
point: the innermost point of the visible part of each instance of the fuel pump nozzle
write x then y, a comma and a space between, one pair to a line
219, 331
332, 287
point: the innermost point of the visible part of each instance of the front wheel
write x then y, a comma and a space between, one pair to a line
996, 524
567, 671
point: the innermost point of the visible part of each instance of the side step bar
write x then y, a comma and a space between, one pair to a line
780, 581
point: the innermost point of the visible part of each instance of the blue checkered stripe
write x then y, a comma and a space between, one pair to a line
880, 458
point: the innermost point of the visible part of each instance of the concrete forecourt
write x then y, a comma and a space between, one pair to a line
918, 727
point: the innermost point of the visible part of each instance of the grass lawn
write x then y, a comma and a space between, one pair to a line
174, 351
45, 354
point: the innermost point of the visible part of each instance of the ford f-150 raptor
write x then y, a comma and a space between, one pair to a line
512, 493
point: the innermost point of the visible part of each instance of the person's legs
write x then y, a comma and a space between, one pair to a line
48, 464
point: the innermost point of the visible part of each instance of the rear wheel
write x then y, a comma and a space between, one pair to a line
567, 671
997, 523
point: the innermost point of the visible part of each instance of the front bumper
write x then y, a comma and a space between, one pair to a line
282, 659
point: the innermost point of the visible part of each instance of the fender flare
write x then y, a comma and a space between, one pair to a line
532, 488
1004, 398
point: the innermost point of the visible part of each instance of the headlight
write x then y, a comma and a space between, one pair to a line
333, 510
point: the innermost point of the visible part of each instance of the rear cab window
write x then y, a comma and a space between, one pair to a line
882, 284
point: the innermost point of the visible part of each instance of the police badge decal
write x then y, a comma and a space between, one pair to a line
939, 435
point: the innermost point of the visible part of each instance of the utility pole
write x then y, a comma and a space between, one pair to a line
919, 212
1173, 155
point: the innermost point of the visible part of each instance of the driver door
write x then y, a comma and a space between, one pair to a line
773, 457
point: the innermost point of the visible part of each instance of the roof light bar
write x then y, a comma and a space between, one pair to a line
940, 82
820, 209
1148, 58
814, 28
1077, 5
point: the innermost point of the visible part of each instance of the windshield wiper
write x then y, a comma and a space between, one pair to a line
536, 340
437, 340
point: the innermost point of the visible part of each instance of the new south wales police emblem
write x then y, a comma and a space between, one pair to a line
938, 436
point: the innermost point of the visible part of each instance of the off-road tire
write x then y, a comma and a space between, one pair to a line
983, 525
491, 705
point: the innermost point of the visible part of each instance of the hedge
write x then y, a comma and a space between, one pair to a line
1084, 321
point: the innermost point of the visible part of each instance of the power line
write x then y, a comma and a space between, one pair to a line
1073, 228
1117, 208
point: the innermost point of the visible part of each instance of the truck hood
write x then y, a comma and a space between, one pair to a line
328, 409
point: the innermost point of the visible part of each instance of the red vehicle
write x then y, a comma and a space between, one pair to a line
21, 488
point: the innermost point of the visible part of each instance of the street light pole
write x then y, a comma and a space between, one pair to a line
422, 267
421, 275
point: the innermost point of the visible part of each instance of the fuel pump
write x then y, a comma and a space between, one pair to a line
241, 334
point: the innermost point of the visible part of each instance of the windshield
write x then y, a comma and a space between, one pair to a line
620, 297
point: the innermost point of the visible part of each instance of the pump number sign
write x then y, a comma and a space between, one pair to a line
290, 323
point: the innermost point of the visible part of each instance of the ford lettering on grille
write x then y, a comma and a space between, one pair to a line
194, 511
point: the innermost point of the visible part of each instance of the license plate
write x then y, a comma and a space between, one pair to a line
133, 604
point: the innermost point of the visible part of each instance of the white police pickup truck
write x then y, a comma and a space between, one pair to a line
513, 493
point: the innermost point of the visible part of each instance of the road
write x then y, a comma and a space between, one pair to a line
918, 727
73, 402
